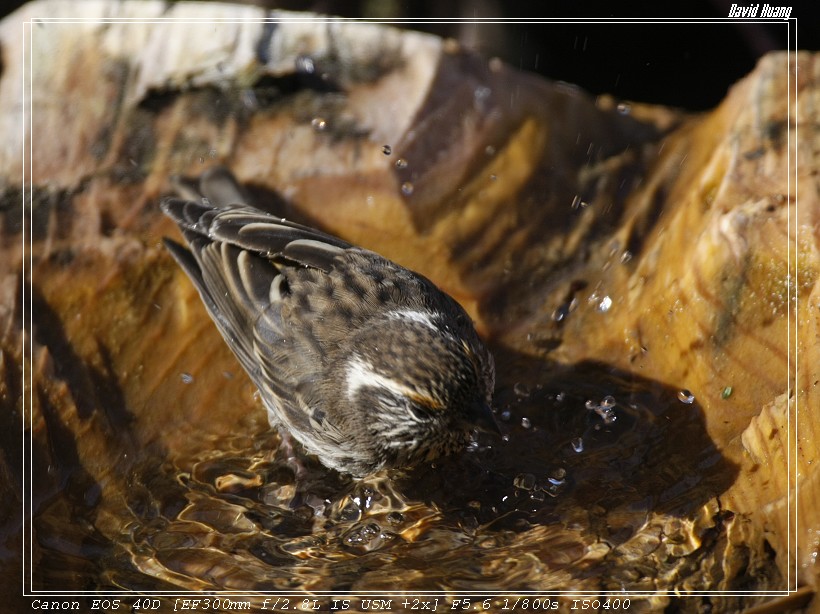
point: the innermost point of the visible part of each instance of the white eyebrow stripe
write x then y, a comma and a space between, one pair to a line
422, 317
361, 373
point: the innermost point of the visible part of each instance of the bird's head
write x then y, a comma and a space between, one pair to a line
420, 386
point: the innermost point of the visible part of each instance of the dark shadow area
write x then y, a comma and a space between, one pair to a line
63, 519
81, 420
93, 389
586, 436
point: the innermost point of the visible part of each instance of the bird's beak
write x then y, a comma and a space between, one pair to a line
483, 419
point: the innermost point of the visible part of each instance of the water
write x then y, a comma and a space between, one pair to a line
520, 515
521, 389
525, 481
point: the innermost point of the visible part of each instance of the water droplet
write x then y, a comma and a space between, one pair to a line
489, 150
350, 511
395, 518
524, 481
186, 378
560, 397
319, 124
626, 257
556, 482
624, 108
493, 177
407, 188
505, 437
521, 389
482, 93
685, 396
577, 444
305, 65
401, 163
607, 414
316, 503
605, 304
605, 409
505, 415
525, 422
363, 536
387, 150
727, 392
561, 312
558, 477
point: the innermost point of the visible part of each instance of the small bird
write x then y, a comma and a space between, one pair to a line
366, 364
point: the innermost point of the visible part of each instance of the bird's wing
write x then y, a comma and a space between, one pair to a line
255, 231
239, 262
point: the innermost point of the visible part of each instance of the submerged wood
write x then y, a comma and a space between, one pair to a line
671, 249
